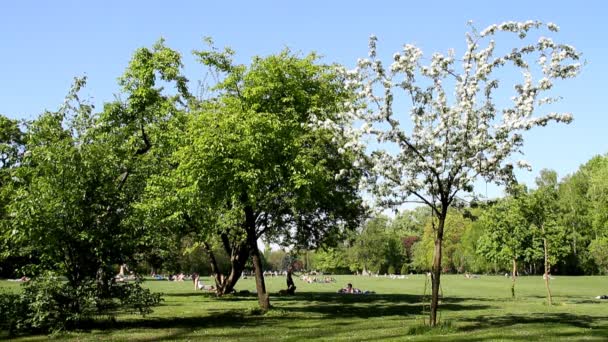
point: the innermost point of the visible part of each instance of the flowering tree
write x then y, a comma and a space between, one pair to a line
453, 139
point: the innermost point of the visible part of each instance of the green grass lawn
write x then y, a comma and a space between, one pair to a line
471, 310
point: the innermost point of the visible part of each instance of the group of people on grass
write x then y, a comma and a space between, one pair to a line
313, 279
172, 277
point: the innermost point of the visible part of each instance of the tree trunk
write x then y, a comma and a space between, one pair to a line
436, 270
237, 265
238, 259
260, 286
574, 241
514, 275
547, 273
252, 238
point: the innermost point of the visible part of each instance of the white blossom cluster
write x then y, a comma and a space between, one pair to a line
455, 136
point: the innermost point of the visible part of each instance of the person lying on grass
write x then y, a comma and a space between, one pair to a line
199, 285
349, 289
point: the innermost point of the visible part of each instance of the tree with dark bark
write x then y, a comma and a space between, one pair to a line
253, 164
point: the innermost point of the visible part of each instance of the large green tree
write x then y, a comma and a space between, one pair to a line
80, 174
251, 165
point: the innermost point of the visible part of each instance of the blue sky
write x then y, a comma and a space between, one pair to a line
44, 44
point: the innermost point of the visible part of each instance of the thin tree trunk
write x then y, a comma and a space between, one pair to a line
514, 275
574, 242
574, 230
436, 270
546, 275
215, 270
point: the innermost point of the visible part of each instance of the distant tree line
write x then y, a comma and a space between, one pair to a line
487, 236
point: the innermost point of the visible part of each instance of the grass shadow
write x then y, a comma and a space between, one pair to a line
333, 305
502, 321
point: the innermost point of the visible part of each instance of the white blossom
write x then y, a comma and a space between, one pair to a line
524, 165
552, 27
457, 131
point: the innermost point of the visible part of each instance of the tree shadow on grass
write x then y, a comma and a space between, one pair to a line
579, 321
592, 325
333, 305
325, 308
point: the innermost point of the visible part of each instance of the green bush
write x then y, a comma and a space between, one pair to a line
48, 304
391, 269
10, 309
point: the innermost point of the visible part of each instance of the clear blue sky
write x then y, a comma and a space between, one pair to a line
44, 44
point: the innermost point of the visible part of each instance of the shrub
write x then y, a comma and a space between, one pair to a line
48, 304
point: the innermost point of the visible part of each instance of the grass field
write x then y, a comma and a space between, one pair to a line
471, 310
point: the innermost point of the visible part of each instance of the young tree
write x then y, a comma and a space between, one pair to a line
507, 235
575, 207
542, 211
454, 137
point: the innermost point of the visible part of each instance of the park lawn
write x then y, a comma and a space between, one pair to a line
471, 310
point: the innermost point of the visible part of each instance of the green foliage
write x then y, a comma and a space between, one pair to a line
252, 147
598, 249
543, 212
404, 269
48, 304
508, 235
11, 312
331, 260
454, 258
71, 206
470, 243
